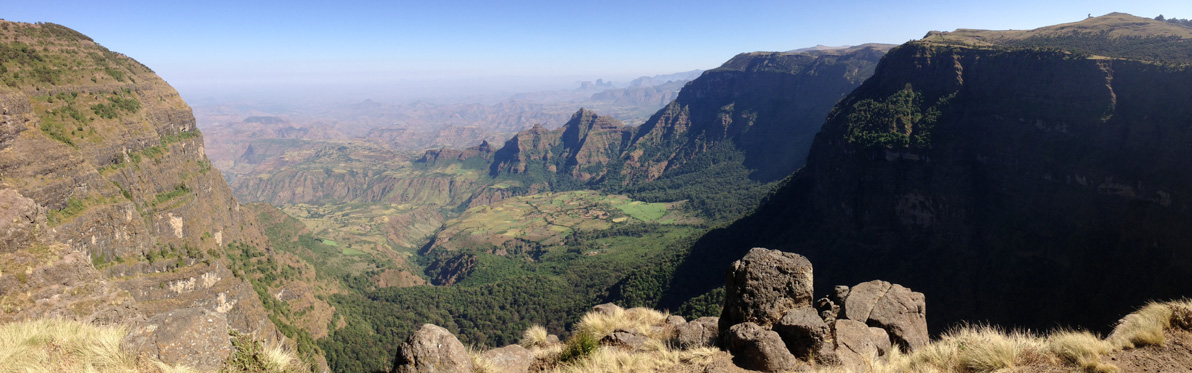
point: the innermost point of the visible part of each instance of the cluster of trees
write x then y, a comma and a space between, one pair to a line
507, 294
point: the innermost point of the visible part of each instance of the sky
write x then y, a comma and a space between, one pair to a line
444, 47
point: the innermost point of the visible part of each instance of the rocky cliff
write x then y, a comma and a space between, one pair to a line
1020, 183
116, 214
580, 148
768, 104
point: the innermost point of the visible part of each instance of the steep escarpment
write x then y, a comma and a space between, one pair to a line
1018, 185
720, 143
579, 149
769, 105
124, 208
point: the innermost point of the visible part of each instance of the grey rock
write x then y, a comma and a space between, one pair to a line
627, 339
675, 320
194, 337
898, 310
510, 359
803, 332
839, 294
762, 286
754, 347
432, 349
855, 345
607, 308
701, 332
20, 220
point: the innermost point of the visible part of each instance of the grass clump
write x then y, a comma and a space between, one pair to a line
580, 346
640, 319
56, 345
1142, 328
253, 356
535, 336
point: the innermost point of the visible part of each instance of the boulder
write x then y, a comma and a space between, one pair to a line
762, 286
194, 337
829, 311
898, 310
803, 332
510, 359
432, 349
701, 332
857, 344
754, 347
627, 339
675, 320
607, 308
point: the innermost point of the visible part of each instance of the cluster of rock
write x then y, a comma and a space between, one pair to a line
769, 323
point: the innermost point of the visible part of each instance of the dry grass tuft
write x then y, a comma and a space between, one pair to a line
1080, 348
618, 360
61, 345
1142, 328
643, 320
55, 345
968, 349
535, 336
481, 364
279, 359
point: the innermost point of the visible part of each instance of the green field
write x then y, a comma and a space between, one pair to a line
549, 218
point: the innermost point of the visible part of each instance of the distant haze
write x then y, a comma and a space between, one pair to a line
405, 49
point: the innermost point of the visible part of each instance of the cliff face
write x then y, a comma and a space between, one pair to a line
108, 156
580, 148
766, 106
1015, 185
769, 105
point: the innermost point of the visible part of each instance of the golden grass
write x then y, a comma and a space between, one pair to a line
990, 349
63, 346
55, 345
535, 336
481, 364
280, 359
643, 320
657, 359
1142, 328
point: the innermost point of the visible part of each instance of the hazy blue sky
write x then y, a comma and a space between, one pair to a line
209, 47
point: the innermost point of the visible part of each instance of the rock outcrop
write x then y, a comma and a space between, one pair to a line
432, 349
805, 333
754, 347
764, 285
701, 332
194, 337
766, 281
898, 310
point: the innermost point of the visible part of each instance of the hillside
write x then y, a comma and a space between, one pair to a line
1021, 185
112, 212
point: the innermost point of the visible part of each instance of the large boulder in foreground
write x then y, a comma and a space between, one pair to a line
765, 284
804, 332
857, 343
194, 337
432, 349
898, 310
754, 347
701, 332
